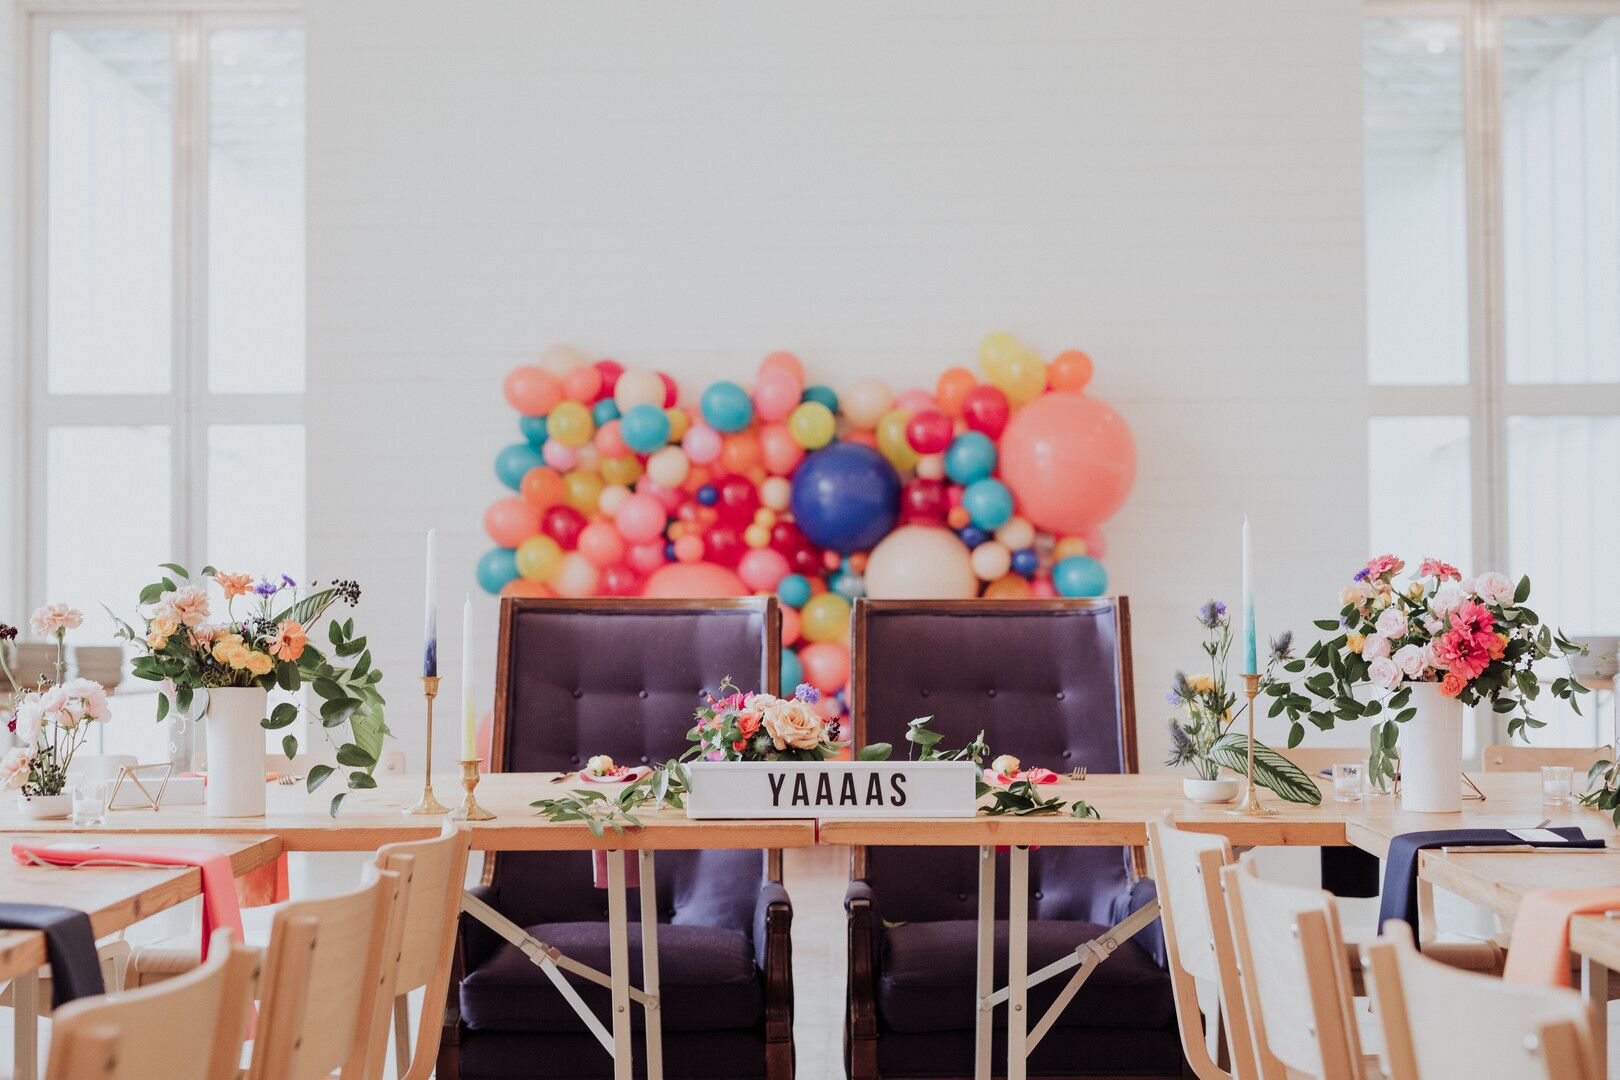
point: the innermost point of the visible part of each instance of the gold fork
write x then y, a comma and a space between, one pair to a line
1077, 773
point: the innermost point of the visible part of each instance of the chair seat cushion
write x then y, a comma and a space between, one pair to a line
707, 979
929, 970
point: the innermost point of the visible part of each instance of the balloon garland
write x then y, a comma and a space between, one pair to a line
993, 488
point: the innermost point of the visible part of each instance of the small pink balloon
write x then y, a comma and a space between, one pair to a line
668, 498
784, 362
578, 576
1043, 588
601, 543
645, 558
689, 549
695, 581
790, 625
559, 457
582, 383
762, 568
776, 394
609, 440
780, 452
916, 401
701, 443
1096, 546
640, 520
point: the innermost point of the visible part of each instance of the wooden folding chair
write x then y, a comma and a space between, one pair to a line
1440, 1022
187, 1028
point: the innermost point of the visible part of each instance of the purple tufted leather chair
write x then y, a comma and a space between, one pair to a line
1050, 682
621, 677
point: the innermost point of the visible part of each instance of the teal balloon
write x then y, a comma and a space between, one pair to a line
792, 670
604, 411
514, 462
989, 503
794, 590
970, 457
496, 568
1080, 575
823, 395
533, 429
726, 407
644, 428
848, 584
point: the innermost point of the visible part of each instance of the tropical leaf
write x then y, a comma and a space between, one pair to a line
1272, 771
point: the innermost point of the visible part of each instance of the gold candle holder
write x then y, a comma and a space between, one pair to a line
427, 804
469, 810
1250, 806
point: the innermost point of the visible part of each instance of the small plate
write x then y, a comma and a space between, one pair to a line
621, 775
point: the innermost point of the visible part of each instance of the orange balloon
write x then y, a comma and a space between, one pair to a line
739, 452
865, 438
696, 477
543, 487
952, 388
826, 666
1069, 371
957, 517
521, 586
790, 624
1008, 587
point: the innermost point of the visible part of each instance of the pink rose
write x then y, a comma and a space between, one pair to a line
1376, 647
1392, 623
1494, 588
1411, 659
187, 606
1446, 598
14, 766
1384, 673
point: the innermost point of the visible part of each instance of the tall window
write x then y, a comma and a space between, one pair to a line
1493, 300
166, 301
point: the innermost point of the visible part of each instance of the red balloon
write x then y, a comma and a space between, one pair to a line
738, 499
671, 391
923, 501
619, 580
563, 524
985, 409
929, 431
806, 560
724, 545
786, 538
611, 370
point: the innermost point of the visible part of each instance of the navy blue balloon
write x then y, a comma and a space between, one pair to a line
708, 494
1026, 562
973, 536
845, 497
533, 428
496, 568
512, 463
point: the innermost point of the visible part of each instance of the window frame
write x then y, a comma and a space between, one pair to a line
189, 408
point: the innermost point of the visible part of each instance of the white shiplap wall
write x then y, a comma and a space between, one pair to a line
1173, 185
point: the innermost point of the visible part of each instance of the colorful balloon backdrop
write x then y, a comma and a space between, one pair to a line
992, 487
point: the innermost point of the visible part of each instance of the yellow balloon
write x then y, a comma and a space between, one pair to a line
757, 536
824, 617
892, 441
570, 423
997, 348
539, 558
1021, 376
582, 490
812, 425
1068, 547
679, 422
621, 470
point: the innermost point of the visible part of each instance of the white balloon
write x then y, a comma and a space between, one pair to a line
776, 492
1017, 533
931, 466
865, 402
638, 388
560, 359
578, 576
612, 498
668, 467
990, 560
920, 562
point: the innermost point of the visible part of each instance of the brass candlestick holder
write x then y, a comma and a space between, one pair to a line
469, 810
427, 804
1250, 806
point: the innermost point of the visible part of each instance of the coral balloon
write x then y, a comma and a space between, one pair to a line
640, 519
845, 497
539, 558
916, 400
570, 423
520, 586
1070, 461
542, 488
776, 394
784, 362
645, 558
563, 524
609, 440
866, 401
778, 450
693, 581
531, 390
689, 549
702, 444
812, 425
739, 452
918, 562
824, 617
929, 431
790, 631
985, 408
583, 384
577, 576
762, 569
1069, 371
638, 388
893, 442
601, 543
952, 390
825, 666
511, 521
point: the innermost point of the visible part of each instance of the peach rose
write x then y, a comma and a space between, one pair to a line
187, 606
792, 724
1452, 684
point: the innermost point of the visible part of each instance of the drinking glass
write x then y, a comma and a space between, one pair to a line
89, 802
1557, 784
1347, 781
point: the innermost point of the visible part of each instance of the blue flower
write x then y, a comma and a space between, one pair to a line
1211, 614
1361, 575
287, 582
807, 693
267, 588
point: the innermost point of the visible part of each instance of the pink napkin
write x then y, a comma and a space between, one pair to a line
1540, 952
220, 908
1036, 775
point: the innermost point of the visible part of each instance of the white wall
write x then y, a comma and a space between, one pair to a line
1173, 185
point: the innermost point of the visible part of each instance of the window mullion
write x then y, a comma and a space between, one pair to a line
190, 504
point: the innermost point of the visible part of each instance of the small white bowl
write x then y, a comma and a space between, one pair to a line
1210, 791
1602, 659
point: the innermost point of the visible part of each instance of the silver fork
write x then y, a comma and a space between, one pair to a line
289, 780
1077, 773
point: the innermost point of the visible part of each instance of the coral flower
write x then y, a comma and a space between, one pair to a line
1441, 570
1452, 684
1472, 618
1380, 566
234, 584
288, 642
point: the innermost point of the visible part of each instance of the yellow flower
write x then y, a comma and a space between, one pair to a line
163, 626
259, 663
237, 656
1201, 684
1415, 590
1354, 641
223, 644
155, 640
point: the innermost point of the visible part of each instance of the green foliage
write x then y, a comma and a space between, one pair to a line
1603, 788
1271, 770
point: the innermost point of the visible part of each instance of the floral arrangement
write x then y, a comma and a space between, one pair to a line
753, 726
265, 642
51, 722
1203, 738
1474, 638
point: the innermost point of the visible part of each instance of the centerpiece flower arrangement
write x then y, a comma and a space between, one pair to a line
1418, 642
262, 641
51, 721
1203, 739
756, 726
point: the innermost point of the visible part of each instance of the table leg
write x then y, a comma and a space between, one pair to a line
1595, 988
652, 1009
983, 1018
619, 963
25, 1045
1017, 960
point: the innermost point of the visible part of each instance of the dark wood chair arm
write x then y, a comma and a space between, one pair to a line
860, 1011
778, 973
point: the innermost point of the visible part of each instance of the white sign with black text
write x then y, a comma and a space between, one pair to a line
828, 789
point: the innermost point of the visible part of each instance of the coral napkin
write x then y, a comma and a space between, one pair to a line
1540, 952
220, 908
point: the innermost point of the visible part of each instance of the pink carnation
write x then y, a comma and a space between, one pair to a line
1463, 653
1472, 618
1441, 570
1380, 566
53, 619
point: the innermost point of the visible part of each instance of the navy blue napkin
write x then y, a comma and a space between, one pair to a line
1401, 868
70, 946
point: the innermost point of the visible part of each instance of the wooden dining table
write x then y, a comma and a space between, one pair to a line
114, 897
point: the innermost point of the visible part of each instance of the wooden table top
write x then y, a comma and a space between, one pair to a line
1596, 936
20, 951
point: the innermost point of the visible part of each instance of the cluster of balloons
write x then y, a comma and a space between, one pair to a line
991, 487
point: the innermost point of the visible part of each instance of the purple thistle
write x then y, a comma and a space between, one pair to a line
1210, 614
287, 582
267, 588
1361, 575
807, 693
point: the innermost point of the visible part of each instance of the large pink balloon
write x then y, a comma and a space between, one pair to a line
1069, 460
693, 581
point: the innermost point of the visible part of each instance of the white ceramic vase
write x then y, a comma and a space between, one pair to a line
1210, 791
235, 751
45, 807
1431, 753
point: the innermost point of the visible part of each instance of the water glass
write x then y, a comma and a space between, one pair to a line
1557, 784
89, 802
1347, 781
